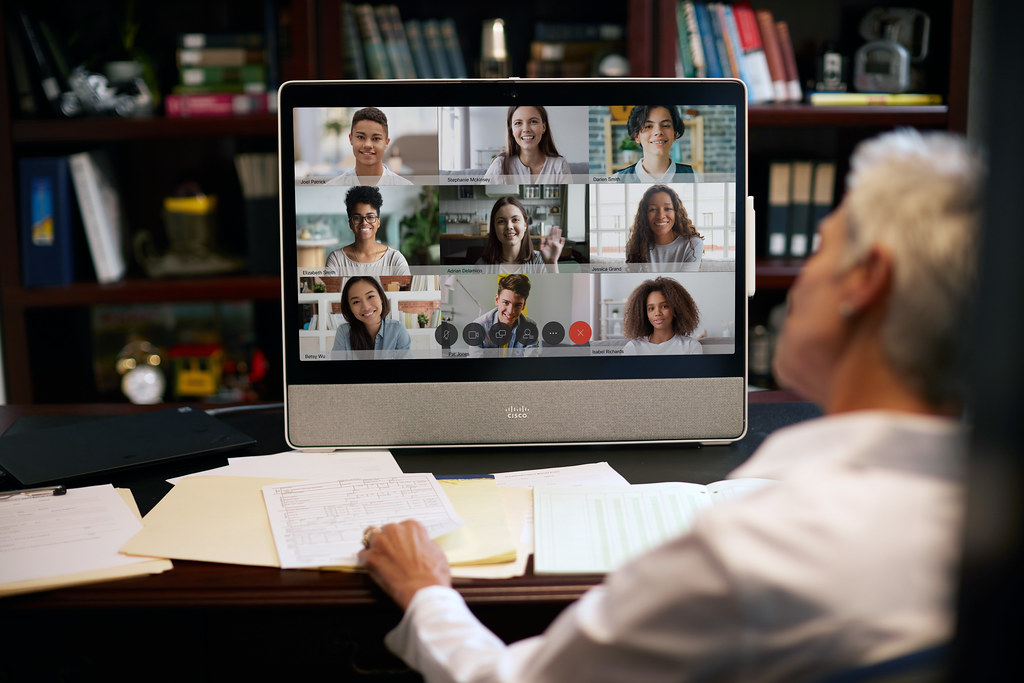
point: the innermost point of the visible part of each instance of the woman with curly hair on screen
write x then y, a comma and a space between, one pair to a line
662, 232
660, 317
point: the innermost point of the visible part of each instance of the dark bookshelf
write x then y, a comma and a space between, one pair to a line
313, 47
155, 128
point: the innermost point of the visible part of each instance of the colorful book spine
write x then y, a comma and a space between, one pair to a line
377, 64
779, 183
577, 31
247, 74
435, 47
355, 62
854, 99
823, 195
46, 73
731, 37
389, 37
47, 222
219, 56
707, 40
686, 67
216, 104
794, 89
718, 40
452, 49
773, 53
100, 206
700, 64
24, 92
252, 88
418, 48
402, 42
196, 41
753, 53
800, 208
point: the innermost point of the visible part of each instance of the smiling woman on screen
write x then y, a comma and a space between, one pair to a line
509, 242
365, 255
660, 317
662, 232
366, 307
530, 154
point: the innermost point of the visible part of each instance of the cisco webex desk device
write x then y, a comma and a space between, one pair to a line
523, 263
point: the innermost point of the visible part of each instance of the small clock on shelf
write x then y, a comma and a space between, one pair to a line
142, 380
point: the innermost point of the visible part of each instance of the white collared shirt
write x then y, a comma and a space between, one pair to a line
848, 561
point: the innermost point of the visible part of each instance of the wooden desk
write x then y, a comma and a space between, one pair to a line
204, 621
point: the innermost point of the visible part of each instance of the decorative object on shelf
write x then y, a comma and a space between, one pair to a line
191, 228
198, 369
142, 379
493, 55
831, 65
897, 38
93, 93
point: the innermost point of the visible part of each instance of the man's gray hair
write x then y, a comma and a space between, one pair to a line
919, 195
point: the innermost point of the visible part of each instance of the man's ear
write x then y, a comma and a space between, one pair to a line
869, 282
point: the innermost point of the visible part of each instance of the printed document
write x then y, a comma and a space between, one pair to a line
51, 536
596, 529
321, 524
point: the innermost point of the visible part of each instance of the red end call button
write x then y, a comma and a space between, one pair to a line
579, 332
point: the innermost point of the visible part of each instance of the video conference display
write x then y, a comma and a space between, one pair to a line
515, 232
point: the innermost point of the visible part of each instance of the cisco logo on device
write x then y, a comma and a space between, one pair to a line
517, 412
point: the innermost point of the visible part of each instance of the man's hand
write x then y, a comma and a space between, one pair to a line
402, 558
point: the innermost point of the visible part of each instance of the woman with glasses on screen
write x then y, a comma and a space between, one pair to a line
530, 154
662, 232
365, 256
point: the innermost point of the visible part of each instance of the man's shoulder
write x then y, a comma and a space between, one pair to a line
485, 319
629, 170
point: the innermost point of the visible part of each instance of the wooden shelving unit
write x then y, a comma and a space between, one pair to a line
316, 49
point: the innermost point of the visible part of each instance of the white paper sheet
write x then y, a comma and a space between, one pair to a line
321, 524
300, 465
597, 529
590, 474
49, 536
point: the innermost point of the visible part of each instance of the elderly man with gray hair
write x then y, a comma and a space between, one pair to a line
849, 559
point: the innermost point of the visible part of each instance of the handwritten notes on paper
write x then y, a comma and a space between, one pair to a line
321, 524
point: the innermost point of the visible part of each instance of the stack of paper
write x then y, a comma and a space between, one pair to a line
54, 541
596, 529
310, 510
